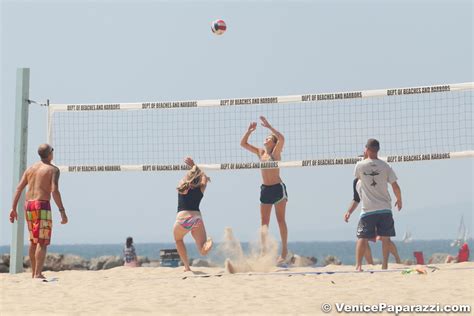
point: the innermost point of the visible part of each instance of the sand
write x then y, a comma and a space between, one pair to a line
132, 291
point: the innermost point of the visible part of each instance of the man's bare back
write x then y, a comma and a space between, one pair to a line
40, 178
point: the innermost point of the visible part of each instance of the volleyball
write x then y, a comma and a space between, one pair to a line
218, 27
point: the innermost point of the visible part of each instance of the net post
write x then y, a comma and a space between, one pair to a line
49, 137
19, 165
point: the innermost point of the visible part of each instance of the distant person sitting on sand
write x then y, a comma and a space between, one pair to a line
42, 180
129, 254
355, 202
190, 193
463, 255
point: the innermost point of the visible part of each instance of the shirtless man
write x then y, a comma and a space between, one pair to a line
273, 190
42, 180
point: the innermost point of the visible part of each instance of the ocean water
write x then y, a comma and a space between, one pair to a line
344, 250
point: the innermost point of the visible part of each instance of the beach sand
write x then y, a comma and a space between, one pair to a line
132, 291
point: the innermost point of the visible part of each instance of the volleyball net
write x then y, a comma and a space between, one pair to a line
415, 123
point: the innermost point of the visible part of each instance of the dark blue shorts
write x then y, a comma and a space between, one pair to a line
381, 224
273, 194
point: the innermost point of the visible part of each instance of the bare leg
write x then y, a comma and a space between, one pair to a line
265, 211
229, 267
362, 244
368, 255
203, 243
32, 253
385, 251
280, 209
179, 233
393, 250
40, 255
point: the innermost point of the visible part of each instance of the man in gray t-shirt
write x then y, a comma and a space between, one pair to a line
376, 216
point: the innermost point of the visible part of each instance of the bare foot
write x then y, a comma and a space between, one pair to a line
284, 259
359, 269
229, 268
40, 276
207, 246
188, 269
284, 254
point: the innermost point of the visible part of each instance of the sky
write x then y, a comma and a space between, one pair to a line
129, 51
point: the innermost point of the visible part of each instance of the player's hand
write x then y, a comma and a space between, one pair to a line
189, 161
13, 215
252, 127
64, 219
347, 216
398, 204
264, 122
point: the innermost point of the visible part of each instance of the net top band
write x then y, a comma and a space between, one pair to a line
333, 96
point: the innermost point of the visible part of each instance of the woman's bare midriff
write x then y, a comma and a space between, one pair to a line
271, 176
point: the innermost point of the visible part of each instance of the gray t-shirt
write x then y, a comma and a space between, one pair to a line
375, 175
